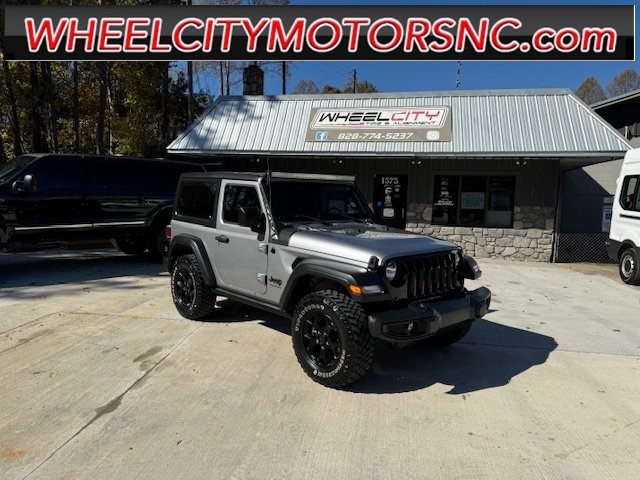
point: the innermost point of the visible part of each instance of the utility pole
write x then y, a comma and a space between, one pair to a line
190, 86
355, 80
284, 78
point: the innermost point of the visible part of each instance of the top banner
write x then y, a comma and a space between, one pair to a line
542, 32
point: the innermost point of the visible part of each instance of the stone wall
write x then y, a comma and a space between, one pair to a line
531, 237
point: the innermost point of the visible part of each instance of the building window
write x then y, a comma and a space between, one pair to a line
473, 201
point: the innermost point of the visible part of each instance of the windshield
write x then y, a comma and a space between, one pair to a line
8, 170
310, 201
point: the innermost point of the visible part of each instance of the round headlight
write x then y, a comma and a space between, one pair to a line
391, 271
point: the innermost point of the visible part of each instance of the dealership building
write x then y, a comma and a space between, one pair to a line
480, 168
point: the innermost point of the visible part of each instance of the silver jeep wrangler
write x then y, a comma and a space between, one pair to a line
306, 247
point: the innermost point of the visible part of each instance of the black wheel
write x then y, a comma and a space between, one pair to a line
331, 338
192, 298
629, 267
450, 335
157, 242
130, 246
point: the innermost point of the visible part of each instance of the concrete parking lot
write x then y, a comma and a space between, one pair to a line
100, 378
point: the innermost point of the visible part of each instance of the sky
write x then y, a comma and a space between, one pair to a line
400, 76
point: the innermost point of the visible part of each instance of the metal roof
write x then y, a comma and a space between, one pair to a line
626, 97
539, 122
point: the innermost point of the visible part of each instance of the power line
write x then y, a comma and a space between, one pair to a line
331, 76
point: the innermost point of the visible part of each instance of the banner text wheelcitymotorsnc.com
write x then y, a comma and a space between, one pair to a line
308, 33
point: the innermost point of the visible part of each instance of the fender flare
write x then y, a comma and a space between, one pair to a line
198, 249
334, 271
162, 211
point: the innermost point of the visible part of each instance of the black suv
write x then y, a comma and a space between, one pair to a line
49, 198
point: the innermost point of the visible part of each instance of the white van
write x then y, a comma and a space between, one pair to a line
623, 245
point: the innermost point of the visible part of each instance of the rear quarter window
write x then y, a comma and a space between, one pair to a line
197, 200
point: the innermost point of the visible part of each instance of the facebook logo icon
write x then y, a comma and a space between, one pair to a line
322, 136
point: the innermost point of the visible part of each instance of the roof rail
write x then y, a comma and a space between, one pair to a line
313, 176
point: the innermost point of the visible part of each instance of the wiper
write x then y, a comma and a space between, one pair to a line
359, 220
307, 217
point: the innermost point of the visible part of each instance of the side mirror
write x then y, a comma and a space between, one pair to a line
26, 185
249, 216
259, 227
29, 183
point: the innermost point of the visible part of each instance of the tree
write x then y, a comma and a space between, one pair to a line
362, 86
76, 108
228, 72
624, 82
3, 154
49, 106
38, 126
330, 89
306, 87
590, 91
103, 79
14, 119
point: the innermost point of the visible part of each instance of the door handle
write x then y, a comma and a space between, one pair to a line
222, 238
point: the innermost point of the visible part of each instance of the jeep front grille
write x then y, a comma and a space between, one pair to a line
431, 275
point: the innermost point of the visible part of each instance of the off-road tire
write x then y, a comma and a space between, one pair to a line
449, 336
355, 352
130, 247
193, 299
629, 267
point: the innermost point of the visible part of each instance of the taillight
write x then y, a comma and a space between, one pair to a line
168, 232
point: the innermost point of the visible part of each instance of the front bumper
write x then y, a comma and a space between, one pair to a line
423, 319
613, 247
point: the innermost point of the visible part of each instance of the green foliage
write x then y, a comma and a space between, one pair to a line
133, 114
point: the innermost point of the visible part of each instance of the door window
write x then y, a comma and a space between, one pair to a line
390, 199
236, 197
58, 174
116, 177
629, 198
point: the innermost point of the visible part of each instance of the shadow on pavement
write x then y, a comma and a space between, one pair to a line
35, 269
489, 356
232, 312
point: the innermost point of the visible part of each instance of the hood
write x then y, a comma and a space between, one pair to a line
361, 242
